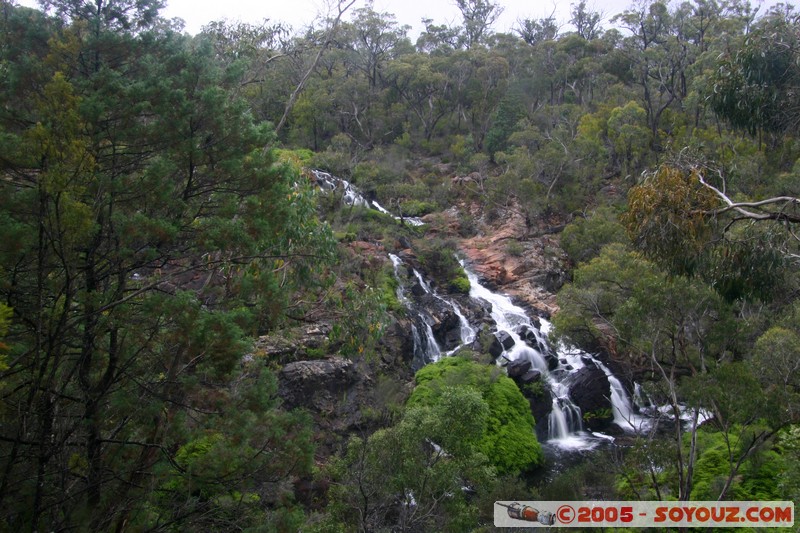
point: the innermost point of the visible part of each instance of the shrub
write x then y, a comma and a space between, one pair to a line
460, 284
509, 440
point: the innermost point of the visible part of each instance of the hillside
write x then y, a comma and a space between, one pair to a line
342, 281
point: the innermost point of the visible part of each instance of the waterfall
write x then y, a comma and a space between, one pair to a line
426, 348
565, 427
352, 196
565, 421
468, 333
510, 318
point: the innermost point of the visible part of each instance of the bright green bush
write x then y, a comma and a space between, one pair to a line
460, 284
509, 440
757, 478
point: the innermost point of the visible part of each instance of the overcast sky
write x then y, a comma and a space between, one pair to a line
298, 13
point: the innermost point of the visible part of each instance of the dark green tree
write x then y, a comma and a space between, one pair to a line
755, 87
146, 232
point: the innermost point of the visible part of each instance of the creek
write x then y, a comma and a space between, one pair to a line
575, 389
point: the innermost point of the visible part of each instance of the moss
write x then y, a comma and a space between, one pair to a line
389, 287
460, 284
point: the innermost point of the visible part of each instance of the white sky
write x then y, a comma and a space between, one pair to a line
299, 13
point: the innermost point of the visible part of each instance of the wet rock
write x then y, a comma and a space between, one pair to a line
518, 368
552, 361
590, 390
531, 376
588, 361
538, 395
528, 335
398, 342
502, 341
418, 290
447, 329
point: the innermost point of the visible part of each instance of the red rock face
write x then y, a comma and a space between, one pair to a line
507, 256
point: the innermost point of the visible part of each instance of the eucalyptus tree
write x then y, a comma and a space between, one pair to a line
478, 17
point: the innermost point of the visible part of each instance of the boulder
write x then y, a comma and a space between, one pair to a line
502, 341
528, 336
316, 384
418, 290
588, 361
398, 341
518, 368
590, 390
531, 376
447, 328
552, 361
297, 343
535, 391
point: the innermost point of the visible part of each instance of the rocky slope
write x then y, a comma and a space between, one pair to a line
520, 259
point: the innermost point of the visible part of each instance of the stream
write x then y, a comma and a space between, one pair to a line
522, 344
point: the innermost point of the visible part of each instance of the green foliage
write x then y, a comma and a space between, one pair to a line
515, 248
363, 313
298, 158
628, 135
438, 259
147, 231
416, 208
583, 238
667, 220
775, 363
788, 477
598, 414
248, 442
671, 219
430, 454
759, 479
509, 440
754, 87
460, 284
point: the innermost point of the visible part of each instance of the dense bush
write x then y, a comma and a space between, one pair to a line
509, 440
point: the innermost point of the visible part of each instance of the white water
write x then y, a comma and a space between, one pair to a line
426, 348
414, 221
352, 196
565, 427
509, 318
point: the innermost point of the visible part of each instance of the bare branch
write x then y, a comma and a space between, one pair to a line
343, 5
754, 210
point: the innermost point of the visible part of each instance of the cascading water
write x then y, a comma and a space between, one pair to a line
467, 332
565, 427
524, 341
352, 196
426, 348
